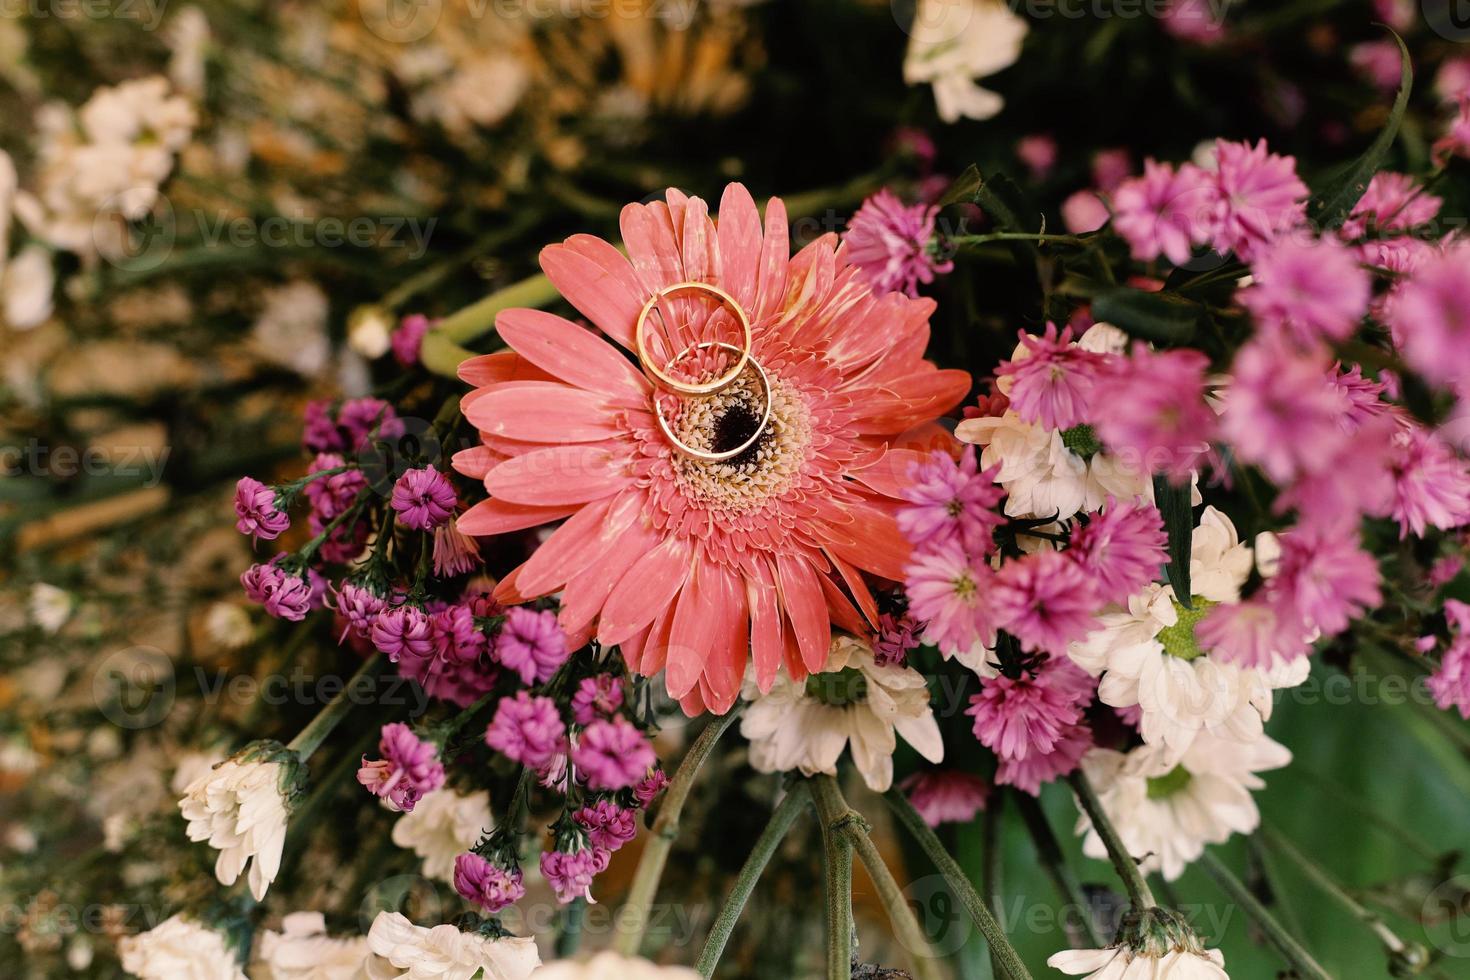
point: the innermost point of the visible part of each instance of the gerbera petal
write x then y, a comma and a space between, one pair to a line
499, 516
645, 590
560, 475
765, 623
806, 607
774, 259
534, 411
689, 640
503, 365
858, 588
871, 541
476, 461
575, 545
724, 668
573, 354
739, 234
588, 589
601, 285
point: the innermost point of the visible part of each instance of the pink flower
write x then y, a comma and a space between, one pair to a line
454, 553
1452, 83
1260, 632
349, 431
1450, 683
896, 636
1378, 62
947, 592
1054, 383
1327, 578
1084, 212
527, 730
1308, 290
459, 669
570, 873
946, 795
1045, 600
1028, 774
893, 244
1196, 21
486, 884
283, 594
608, 825
1356, 480
951, 500
1431, 317
1015, 717
1392, 202
409, 769
359, 607
1456, 140
424, 498
596, 697
1121, 549
1283, 411
1152, 412
403, 632
1258, 196
408, 339
1431, 485
1039, 153
256, 510
532, 644
1164, 211
1110, 168
332, 495
612, 754
650, 786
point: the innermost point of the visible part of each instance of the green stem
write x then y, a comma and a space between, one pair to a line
834, 810
963, 890
1016, 236
755, 865
633, 917
1127, 868
316, 731
443, 346
569, 937
1293, 952
1081, 930
837, 863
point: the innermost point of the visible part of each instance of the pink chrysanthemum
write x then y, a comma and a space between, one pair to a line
1308, 290
690, 567
403, 632
896, 637
1392, 203
256, 511
946, 795
892, 243
329, 496
947, 591
1456, 140
1327, 578
951, 500
1431, 483
532, 644
454, 551
1258, 633
1054, 381
1046, 600
359, 607
1028, 774
527, 730
1015, 717
486, 884
570, 873
650, 786
1431, 317
1450, 682
284, 595
408, 339
612, 754
1152, 413
1258, 196
410, 768
1356, 480
1283, 411
596, 697
424, 498
608, 825
1121, 549
1164, 212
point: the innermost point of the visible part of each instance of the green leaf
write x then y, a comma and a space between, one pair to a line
998, 196
1159, 317
1330, 207
1173, 503
962, 191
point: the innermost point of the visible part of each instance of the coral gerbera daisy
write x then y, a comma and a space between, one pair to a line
691, 566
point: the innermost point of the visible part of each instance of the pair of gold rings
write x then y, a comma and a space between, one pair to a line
663, 379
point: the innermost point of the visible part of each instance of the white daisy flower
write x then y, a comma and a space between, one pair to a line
241, 808
302, 950
228, 624
179, 949
1167, 808
806, 725
1147, 654
1154, 944
954, 42
605, 965
442, 826
401, 950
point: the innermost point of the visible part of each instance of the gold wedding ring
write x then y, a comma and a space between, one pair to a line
660, 376
710, 457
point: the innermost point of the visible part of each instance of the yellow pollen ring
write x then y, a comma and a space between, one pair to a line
710, 457
660, 376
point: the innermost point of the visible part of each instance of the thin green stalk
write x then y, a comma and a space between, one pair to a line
1127, 868
959, 884
316, 731
569, 937
755, 865
990, 868
837, 864
1292, 951
1016, 236
1081, 930
633, 917
844, 821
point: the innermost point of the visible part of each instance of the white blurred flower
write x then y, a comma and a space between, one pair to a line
50, 606
1166, 809
240, 807
26, 286
441, 827
179, 949
228, 624
481, 92
302, 950
805, 725
188, 38
606, 965
291, 329
401, 950
370, 331
954, 42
